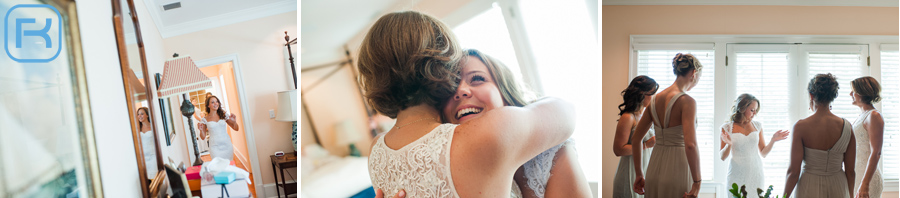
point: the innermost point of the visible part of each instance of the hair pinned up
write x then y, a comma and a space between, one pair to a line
823, 88
682, 64
868, 88
635, 93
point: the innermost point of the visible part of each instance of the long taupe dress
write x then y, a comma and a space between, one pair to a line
668, 174
624, 181
823, 173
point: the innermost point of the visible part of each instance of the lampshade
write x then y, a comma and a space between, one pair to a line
140, 91
347, 132
287, 106
181, 75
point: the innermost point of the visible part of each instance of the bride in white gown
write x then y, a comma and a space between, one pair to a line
742, 138
216, 124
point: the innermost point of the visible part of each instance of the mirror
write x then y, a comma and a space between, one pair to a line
139, 98
47, 144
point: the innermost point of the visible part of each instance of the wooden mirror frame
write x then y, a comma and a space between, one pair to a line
158, 183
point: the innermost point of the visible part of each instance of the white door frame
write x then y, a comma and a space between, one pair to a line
248, 125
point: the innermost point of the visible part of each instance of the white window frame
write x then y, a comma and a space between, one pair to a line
722, 102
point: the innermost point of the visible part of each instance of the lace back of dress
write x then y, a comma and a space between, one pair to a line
421, 168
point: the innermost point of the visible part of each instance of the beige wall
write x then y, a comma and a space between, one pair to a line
619, 22
259, 45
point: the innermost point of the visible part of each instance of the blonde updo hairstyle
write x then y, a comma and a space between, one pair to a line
683, 64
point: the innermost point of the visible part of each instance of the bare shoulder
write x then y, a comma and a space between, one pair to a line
685, 100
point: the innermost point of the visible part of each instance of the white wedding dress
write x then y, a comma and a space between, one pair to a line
421, 168
863, 150
219, 141
746, 166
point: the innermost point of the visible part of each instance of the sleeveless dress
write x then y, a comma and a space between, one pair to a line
219, 141
863, 151
421, 168
624, 180
746, 167
823, 173
148, 146
668, 174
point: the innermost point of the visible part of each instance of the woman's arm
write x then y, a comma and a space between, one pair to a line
621, 147
793, 172
850, 163
725, 144
764, 148
232, 122
513, 135
636, 155
875, 126
688, 122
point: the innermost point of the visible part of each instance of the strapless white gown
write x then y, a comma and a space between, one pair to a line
219, 141
745, 167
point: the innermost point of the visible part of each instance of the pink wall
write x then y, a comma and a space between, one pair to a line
619, 22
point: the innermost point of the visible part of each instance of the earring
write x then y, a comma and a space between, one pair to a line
829, 107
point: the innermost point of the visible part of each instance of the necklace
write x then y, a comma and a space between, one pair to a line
401, 126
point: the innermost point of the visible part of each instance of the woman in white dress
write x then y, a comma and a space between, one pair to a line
148, 144
215, 124
409, 65
485, 80
869, 131
742, 139
636, 97
822, 143
674, 167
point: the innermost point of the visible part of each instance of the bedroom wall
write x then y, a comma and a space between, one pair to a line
619, 22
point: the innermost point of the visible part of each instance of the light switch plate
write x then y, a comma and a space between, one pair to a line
271, 113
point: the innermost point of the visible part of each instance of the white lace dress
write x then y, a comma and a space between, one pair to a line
219, 141
537, 170
421, 168
745, 167
863, 150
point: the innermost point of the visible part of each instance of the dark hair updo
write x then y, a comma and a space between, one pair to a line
823, 88
634, 94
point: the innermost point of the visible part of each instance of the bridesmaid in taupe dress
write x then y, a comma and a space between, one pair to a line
636, 97
822, 143
674, 168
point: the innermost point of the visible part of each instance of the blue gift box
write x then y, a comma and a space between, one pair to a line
224, 178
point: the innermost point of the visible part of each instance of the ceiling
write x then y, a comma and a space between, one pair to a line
326, 25
197, 15
867, 3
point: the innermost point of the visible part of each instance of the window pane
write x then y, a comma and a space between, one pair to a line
765, 75
657, 64
890, 110
487, 33
844, 66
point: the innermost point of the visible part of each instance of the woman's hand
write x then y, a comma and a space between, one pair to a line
863, 191
380, 194
639, 185
780, 135
695, 190
650, 143
231, 117
726, 137
201, 127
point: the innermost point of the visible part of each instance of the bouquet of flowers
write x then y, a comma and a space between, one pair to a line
742, 192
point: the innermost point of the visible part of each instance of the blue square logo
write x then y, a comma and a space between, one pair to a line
32, 33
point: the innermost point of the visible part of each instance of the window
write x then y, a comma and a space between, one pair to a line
487, 33
657, 64
890, 110
778, 75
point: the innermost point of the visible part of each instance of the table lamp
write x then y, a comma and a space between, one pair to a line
287, 111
